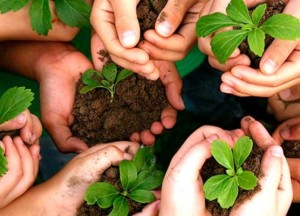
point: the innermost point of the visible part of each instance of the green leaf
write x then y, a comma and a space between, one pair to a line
224, 43
247, 180
86, 89
209, 24
214, 186
222, 153
256, 41
229, 194
40, 16
142, 196
128, 174
103, 193
230, 172
3, 163
238, 11
258, 13
106, 84
120, 207
149, 180
144, 159
110, 72
75, 13
242, 150
123, 75
91, 77
282, 26
12, 5
13, 102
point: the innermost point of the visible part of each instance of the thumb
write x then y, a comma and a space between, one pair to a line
290, 94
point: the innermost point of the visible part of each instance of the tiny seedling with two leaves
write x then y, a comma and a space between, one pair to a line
225, 187
138, 177
281, 26
107, 79
12, 103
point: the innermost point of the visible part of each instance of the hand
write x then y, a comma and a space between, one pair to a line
65, 191
23, 165
29, 125
17, 26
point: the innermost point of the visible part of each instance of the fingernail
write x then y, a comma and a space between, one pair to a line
21, 118
285, 94
226, 89
32, 139
213, 137
164, 28
277, 151
182, 103
129, 38
78, 151
269, 66
285, 132
127, 156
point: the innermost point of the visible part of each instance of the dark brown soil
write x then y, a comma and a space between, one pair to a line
291, 149
111, 175
12, 133
274, 7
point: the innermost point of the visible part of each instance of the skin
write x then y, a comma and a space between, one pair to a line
278, 69
116, 25
183, 181
65, 191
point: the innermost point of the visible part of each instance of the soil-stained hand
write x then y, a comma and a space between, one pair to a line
29, 125
65, 191
23, 165
17, 26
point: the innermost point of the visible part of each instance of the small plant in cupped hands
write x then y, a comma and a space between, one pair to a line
107, 79
250, 27
225, 187
137, 177
13, 102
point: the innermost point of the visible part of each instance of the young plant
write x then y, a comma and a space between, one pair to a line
281, 26
138, 177
12, 103
225, 187
75, 13
108, 79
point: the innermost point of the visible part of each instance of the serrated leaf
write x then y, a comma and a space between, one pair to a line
229, 194
211, 23
110, 72
40, 16
75, 13
12, 5
3, 163
256, 41
120, 207
123, 75
247, 180
144, 159
224, 43
128, 174
149, 180
103, 193
238, 11
214, 186
13, 102
142, 196
282, 26
242, 150
222, 153
258, 13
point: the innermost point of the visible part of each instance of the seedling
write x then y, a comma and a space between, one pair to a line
225, 187
75, 13
108, 79
138, 177
246, 26
12, 103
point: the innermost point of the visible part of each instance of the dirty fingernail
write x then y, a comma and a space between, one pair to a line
128, 38
285, 94
269, 66
164, 28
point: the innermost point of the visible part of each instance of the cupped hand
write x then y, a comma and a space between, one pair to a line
29, 125
23, 165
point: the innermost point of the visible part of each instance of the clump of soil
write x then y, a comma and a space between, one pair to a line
111, 175
12, 133
273, 7
291, 149
211, 168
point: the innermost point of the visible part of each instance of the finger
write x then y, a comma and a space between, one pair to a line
172, 82
291, 130
151, 209
290, 94
157, 128
35, 154
15, 123
147, 138
230, 63
96, 47
32, 131
135, 137
293, 164
168, 117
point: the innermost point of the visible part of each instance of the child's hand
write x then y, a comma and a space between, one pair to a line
29, 125
23, 165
